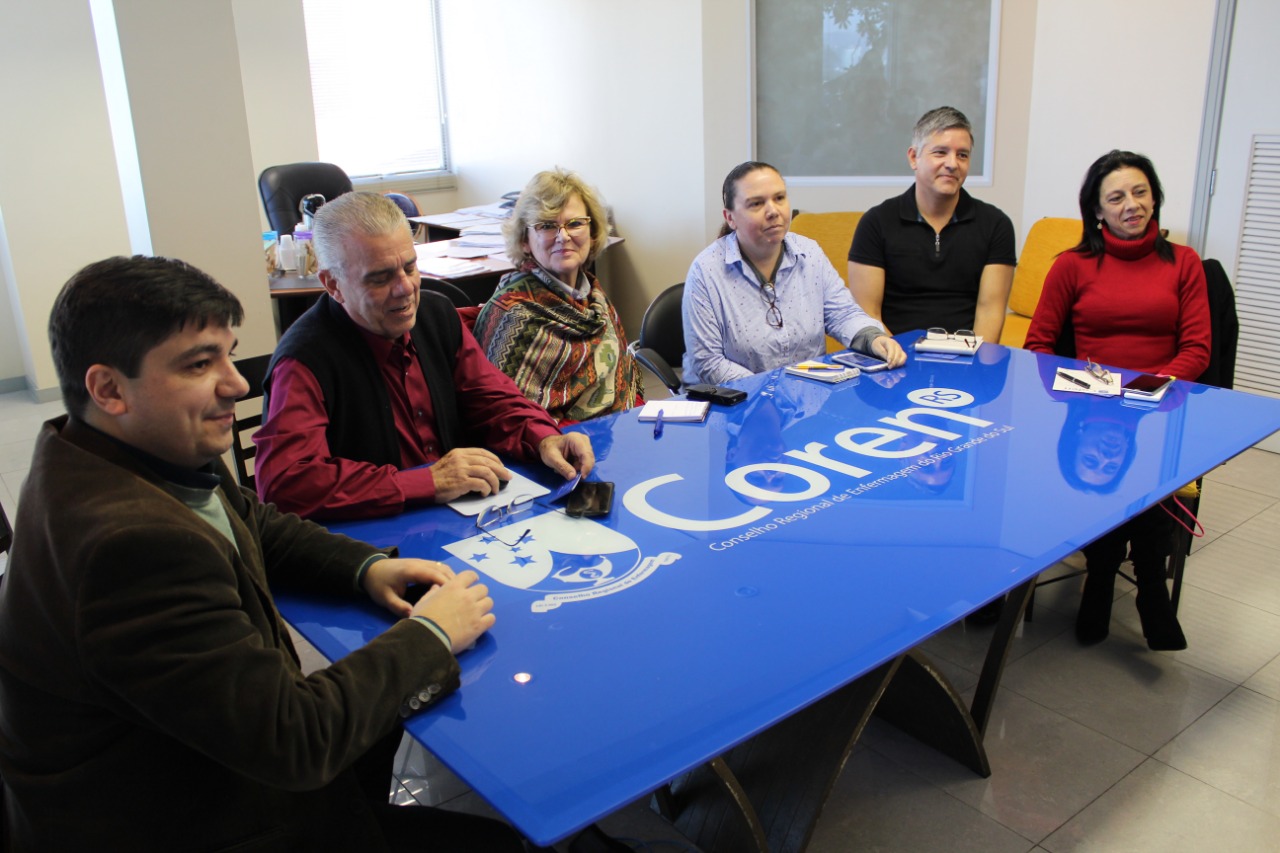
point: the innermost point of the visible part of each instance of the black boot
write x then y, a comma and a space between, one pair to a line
1093, 622
1159, 622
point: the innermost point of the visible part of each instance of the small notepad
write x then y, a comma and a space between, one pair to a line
676, 411
822, 371
953, 345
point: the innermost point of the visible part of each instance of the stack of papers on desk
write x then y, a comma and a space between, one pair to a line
493, 242
676, 411
493, 211
483, 228
448, 267
823, 372
463, 250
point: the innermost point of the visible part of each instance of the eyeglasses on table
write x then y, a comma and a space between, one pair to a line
937, 333
1097, 371
492, 517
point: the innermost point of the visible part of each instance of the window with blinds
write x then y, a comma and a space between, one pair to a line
1257, 275
377, 86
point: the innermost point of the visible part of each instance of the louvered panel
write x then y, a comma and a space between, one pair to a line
1257, 274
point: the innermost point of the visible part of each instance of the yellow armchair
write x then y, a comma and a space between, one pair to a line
1048, 238
833, 232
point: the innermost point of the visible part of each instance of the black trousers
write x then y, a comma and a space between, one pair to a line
1145, 538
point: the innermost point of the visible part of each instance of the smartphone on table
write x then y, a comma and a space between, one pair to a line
865, 363
717, 394
1146, 385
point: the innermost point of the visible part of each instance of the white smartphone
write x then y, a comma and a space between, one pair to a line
865, 363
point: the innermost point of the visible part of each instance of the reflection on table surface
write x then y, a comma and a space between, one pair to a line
755, 562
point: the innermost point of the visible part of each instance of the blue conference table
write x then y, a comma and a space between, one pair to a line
758, 590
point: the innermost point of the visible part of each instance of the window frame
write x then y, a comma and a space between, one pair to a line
418, 180
987, 130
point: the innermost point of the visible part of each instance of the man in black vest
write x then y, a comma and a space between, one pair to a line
379, 379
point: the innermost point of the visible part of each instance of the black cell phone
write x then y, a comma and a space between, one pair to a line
716, 394
590, 500
1146, 383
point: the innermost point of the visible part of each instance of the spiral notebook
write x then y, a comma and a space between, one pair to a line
676, 411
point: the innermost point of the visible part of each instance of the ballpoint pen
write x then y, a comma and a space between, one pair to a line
818, 365
657, 425
1070, 378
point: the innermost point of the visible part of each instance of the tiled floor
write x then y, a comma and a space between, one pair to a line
1112, 747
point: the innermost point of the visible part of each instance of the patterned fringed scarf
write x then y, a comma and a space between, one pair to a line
568, 357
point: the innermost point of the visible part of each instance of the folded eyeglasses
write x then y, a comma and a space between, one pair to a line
937, 333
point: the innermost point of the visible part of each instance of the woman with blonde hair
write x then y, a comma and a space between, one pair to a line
549, 325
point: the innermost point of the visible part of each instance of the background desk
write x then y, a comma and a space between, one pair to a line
665, 647
291, 295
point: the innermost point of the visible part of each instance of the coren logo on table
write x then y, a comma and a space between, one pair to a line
934, 404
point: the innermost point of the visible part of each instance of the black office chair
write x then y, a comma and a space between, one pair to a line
283, 187
243, 450
6, 532
660, 344
409, 208
454, 293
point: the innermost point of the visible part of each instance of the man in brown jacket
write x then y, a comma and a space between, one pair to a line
150, 697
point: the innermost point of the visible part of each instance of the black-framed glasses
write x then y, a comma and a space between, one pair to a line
492, 517
772, 314
549, 228
937, 333
1097, 371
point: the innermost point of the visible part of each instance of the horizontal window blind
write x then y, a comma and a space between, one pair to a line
375, 81
1257, 276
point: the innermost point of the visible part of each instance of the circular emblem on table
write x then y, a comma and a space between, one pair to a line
569, 559
940, 398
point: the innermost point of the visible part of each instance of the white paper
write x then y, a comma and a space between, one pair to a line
1095, 386
519, 486
675, 411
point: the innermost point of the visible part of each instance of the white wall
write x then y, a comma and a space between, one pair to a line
59, 195
610, 90
1250, 106
272, 40
650, 102
1116, 75
194, 151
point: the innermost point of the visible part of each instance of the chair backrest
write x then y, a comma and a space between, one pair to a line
455, 294
282, 187
254, 370
409, 208
1225, 323
6, 532
660, 346
1048, 238
833, 232
662, 329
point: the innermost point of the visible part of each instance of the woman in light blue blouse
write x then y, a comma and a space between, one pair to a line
760, 297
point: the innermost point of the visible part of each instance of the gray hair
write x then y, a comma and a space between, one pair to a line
936, 121
364, 213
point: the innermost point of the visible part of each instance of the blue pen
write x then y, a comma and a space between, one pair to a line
657, 425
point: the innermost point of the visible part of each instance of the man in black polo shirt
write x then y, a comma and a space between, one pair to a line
935, 256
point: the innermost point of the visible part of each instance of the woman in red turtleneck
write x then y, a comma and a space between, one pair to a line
1138, 302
